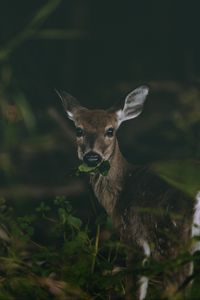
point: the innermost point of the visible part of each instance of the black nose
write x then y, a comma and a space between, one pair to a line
92, 159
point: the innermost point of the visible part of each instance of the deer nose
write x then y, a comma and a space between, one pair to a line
92, 159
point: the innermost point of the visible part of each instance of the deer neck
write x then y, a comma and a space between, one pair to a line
107, 188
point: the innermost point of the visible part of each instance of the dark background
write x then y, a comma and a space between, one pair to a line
98, 51
113, 42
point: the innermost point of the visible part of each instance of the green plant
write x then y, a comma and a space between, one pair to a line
74, 264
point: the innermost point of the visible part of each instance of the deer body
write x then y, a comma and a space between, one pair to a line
148, 213
140, 205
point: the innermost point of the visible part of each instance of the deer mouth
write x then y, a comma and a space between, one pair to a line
92, 159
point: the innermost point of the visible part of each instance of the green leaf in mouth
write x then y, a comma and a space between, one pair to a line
103, 168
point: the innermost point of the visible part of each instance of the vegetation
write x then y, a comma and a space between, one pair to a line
102, 168
72, 265
71, 262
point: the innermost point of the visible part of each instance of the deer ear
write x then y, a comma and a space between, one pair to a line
70, 104
133, 104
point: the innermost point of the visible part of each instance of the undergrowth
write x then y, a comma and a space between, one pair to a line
69, 264
72, 260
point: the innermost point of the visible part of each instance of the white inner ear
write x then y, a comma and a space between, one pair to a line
70, 115
133, 104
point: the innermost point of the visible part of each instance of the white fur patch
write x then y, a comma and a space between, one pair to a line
146, 248
196, 223
70, 115
144, 281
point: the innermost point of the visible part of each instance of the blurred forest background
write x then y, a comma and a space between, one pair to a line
98, 51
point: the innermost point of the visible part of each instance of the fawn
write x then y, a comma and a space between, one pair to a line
149, 214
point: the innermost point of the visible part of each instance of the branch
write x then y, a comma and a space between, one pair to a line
41, 15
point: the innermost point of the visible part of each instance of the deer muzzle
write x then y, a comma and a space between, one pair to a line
92, 159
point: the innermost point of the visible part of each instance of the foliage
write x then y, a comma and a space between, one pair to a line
72, 266
183, 174
30, 29
102, 168
74, 263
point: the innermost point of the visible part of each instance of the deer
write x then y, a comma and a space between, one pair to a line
150, 215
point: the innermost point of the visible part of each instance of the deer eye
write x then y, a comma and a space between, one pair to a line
110, 132
79, 132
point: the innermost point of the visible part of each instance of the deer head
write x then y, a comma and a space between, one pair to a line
96, 129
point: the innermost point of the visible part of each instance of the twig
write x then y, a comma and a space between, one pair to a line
96, 248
